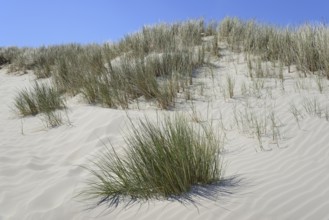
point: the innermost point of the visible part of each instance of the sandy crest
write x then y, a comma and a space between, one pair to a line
40, 173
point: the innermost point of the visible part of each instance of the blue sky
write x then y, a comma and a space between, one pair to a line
47, 22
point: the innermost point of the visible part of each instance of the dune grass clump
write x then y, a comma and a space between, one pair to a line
162, 160
133, 67
114, 75
18, 59
157, 77
164, 37
40, 99
305, 46
9, 54
3, 60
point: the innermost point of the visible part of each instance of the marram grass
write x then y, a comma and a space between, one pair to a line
162, 160
41, 98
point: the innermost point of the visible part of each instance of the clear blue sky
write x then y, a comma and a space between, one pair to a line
48, 22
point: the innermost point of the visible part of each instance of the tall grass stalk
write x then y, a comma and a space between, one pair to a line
230, 84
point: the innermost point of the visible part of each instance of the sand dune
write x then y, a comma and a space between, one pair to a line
40, 169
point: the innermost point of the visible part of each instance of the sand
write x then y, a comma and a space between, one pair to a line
40, 171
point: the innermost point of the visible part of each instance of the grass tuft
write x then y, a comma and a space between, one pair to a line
40, 99
163, 160
305, 46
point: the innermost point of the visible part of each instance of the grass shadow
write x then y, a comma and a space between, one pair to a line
219, 192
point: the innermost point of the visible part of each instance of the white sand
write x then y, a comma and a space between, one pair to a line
40, 173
